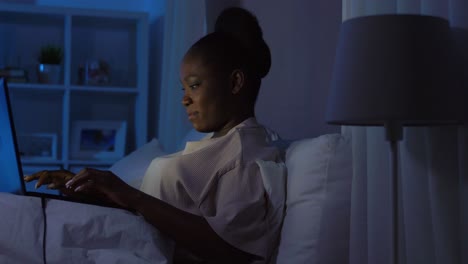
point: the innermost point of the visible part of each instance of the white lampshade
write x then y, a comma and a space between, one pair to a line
396, 68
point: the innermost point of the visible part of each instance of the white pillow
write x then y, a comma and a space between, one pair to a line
316, 224
133, 166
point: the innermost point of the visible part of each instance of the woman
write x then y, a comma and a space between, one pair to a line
210, 199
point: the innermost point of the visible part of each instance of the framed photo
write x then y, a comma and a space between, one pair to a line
98, 139
38, 146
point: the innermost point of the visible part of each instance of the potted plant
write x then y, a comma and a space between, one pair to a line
49, 68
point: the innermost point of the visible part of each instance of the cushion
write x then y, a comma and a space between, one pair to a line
132, 167
316, 224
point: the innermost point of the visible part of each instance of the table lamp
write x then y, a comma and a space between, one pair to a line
394, 71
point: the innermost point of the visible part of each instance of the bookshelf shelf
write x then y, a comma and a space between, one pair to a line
84, 35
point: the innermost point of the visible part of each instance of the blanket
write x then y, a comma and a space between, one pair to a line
76, 233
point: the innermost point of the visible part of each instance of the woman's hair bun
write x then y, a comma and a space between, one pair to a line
244, 27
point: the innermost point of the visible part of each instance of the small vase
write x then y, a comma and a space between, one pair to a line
49, 73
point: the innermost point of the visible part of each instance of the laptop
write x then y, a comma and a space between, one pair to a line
11, 174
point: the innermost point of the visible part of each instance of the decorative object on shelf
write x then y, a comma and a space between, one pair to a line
94, 72
98, 139
38, 146
14, 74
49, 69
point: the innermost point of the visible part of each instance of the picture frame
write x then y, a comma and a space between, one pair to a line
98, 139
38, 146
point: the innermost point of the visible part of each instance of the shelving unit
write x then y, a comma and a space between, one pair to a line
119, 38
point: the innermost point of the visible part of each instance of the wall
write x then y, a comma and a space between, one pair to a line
214, 7
302, 35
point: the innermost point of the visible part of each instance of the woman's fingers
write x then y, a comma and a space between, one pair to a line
85, 186
103, 185
57, 181
99, 185
43, 178
86, 180
34, 176
54, 179
31, 177
80, 178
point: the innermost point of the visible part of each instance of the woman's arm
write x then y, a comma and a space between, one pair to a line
191, 231
188, 230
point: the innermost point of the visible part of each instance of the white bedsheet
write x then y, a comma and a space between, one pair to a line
77, 233
21, 230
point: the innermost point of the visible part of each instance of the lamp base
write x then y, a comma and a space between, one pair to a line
394, 133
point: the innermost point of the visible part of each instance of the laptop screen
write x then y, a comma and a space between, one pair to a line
11, 174
10, 170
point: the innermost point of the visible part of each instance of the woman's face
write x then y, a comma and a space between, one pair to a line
207, 97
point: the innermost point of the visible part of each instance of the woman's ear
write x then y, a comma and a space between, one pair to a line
237, 81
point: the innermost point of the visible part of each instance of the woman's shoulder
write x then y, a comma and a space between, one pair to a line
254, 143
248, 140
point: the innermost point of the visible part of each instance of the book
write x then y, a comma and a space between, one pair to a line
14, 75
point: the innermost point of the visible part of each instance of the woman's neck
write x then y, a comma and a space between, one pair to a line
230, 124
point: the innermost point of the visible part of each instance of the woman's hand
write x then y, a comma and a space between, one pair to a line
98, 183
55, 179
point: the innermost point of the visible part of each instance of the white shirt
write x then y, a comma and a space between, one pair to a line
220, 180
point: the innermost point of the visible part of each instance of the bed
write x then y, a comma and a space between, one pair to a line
315, 221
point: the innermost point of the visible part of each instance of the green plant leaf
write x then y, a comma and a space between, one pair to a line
50, 54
